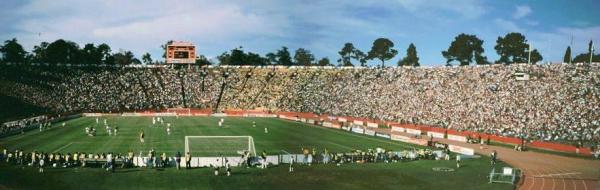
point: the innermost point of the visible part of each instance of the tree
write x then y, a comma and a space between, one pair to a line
13, 52
224, 58
411, 58
383, 50
125, 58
324, 62
164, 47
513, 48
201, 60
147, 59
591, 49
567, 57
348, 53
360, 57
255, 59
62, 51
40, 53
237, 56
283, 57
271, 58
104, 52
91, 54
585, 58
463, 49
303, 57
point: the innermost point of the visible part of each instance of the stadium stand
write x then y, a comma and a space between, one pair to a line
558, 103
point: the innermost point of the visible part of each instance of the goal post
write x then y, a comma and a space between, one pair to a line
219, 145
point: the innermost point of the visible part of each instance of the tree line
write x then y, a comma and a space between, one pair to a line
466, 49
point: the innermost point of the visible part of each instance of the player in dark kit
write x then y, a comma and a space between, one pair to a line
177, 159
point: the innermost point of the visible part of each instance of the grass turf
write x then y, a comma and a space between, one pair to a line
283, 135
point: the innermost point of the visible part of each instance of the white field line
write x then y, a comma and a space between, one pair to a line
558, 174
63, 147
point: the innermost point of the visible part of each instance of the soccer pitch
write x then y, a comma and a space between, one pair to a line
282, 135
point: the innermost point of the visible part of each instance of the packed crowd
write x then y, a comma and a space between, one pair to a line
559, 102
22, 124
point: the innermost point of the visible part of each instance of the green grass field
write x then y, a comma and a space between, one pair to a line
283, 135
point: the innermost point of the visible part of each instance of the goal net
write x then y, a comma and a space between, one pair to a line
508, 175
219, 145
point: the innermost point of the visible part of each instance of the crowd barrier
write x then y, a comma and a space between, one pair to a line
234, 161
560, 147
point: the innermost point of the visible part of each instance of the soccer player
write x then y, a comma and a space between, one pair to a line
168, 129
305, 152
75, 157
216, 168
96, 120
142, 136
310, 159
458, 161
494, 155
246, 159
227, 167
178, 160
150, 161
163, 160
266, 130
109, 164
188, 160
155, 158
153, 121
292, 163
41, 164
33, 158
264, 163
130, 158
93, 132
67, 160
253, 123
116, 130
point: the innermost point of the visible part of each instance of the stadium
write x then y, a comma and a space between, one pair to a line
84, 117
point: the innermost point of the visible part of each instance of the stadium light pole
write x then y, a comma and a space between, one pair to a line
529, 55
591, 50
571, 45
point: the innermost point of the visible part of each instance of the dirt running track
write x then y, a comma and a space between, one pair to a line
541, 171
